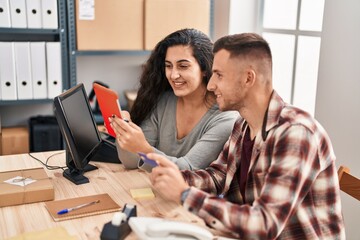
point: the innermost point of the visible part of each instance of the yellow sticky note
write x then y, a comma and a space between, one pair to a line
142, 193
57, 233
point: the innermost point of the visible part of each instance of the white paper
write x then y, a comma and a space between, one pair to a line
20, 181
87, 10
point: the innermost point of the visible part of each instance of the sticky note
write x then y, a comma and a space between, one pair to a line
142, 193
56, 233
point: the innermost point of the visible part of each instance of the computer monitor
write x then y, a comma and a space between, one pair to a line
82, 138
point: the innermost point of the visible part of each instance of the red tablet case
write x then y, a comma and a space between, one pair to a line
109, 104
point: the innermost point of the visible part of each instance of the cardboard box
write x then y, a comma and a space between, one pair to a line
40, 190
163, 17
117, 25
14, 140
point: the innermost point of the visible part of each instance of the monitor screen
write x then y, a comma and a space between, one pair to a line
78, 127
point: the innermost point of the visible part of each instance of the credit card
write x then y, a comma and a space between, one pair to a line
147, 160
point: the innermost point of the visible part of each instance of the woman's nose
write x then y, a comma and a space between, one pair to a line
174, 74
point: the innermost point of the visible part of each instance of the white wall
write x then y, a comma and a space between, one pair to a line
121, 72
338, 93
16, 115
234, 16
243, 15
221, 18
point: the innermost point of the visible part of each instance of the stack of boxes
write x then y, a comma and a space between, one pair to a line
14, 140
137, 24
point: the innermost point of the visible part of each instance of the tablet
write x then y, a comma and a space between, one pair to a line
109, 105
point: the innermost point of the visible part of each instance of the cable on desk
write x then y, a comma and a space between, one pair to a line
49, 167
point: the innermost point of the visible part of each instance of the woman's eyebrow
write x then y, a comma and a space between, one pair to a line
183, 60
179, 61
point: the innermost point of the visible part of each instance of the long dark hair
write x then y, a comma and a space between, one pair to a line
153, 81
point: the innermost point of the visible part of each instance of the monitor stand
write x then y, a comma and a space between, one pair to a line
74, 175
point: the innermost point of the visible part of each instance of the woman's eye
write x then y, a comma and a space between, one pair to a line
167, 66
184, 66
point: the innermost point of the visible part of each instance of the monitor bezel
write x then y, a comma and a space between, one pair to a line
75, 163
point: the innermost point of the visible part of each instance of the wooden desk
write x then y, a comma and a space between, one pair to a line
109, 178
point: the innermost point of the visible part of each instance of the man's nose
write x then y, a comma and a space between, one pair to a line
211, 86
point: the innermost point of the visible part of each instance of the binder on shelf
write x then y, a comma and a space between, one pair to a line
38, 69
49, 14
23, 70
54, 74
7, 71
18, 13
33, 13
5, 14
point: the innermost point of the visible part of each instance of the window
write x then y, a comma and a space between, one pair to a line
293, 30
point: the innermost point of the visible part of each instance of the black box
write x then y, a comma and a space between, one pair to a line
45, 134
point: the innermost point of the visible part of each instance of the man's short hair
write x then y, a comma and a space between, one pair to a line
244, 44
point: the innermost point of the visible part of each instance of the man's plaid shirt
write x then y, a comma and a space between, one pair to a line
292, 190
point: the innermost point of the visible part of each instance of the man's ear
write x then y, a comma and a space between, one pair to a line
250, 78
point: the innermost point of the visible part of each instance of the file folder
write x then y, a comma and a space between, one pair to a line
49, 13
18, 13
7, 71
33, 13
54, 74
5, 14
23, 70
38, 70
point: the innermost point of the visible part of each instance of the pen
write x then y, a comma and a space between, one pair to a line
66, 210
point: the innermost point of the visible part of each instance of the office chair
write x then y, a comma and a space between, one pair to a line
349, 183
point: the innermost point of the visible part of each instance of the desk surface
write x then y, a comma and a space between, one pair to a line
109, 178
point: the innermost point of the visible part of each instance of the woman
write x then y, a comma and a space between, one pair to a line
173, 113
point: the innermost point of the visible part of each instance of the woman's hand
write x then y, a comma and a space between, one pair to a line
125, 115
129, 136
167, 178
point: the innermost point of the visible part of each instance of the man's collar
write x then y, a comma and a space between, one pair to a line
272, 114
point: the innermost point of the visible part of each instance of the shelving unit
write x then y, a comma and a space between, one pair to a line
74, 52
46, 35
71, 41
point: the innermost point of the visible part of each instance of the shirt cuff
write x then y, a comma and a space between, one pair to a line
195, 200
184, 195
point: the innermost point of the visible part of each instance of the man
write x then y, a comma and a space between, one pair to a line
276, 176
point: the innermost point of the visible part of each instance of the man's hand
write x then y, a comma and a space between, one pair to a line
167, 178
